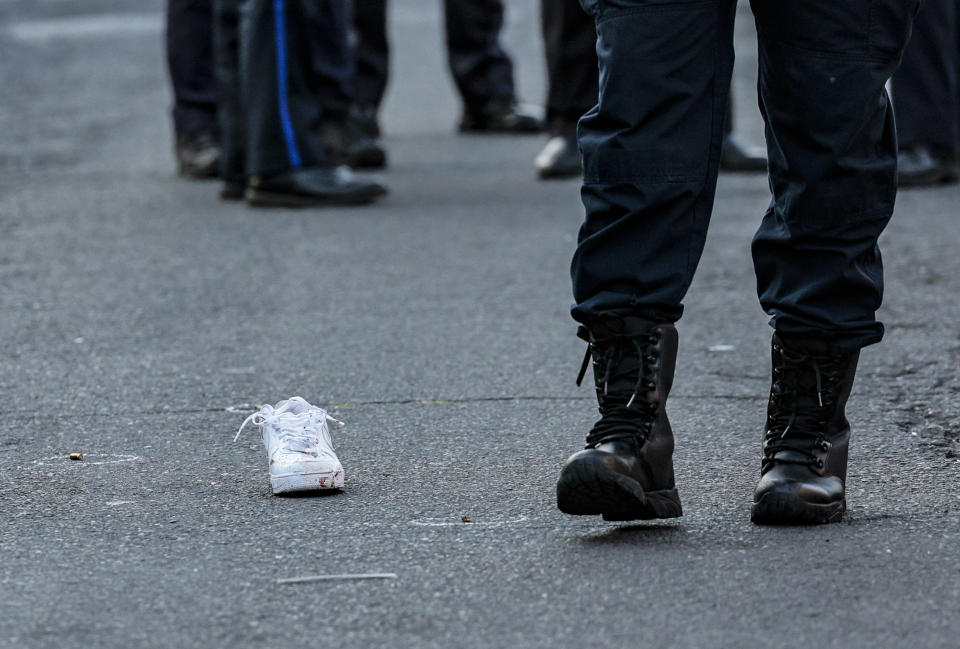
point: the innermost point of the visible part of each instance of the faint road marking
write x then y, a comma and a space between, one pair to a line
721, 348
308, 579
445, 522
127, 24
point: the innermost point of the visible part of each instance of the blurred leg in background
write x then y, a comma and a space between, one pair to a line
569, 38
734, 154
926, 97
570, 41
481, 69
335, 64
189, 41
278, 62
230, 113
372, 62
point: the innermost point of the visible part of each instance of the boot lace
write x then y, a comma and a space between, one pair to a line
617, 362
802, 396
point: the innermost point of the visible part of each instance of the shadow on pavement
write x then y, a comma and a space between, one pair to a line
638, 533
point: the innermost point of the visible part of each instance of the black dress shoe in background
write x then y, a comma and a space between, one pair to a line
501, 115
346, 142
736, 156
560, 158
198, 154
314, 187
232, 190
921, 167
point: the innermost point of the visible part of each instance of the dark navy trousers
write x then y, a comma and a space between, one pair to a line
481, 68
189, 41
278, 62
651, 149
926, 88
569, 40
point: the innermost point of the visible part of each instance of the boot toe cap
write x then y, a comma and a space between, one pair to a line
819, 490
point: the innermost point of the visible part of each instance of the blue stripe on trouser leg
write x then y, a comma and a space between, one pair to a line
280, 37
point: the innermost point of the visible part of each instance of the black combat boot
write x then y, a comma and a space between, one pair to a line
626, 471
804, 465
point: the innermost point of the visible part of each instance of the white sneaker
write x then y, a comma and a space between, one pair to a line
298, 446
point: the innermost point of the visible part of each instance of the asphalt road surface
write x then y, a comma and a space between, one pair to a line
140, 317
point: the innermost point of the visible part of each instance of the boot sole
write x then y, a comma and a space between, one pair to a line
589, 489
294, 482
788, 509
259, 198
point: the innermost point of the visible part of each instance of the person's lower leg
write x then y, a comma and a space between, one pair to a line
651, 151
832, 151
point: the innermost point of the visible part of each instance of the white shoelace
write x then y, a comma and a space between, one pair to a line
301, 430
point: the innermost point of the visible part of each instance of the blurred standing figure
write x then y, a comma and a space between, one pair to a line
481, 69
926, 96
279, 62
735, 155
190, 62
651, 154
570, 40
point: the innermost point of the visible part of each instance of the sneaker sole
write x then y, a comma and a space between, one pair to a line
293, 482
788, 509
589, 489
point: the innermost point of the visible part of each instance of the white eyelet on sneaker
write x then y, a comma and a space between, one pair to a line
298, 445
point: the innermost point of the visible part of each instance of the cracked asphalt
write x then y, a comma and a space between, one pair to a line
141, 318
